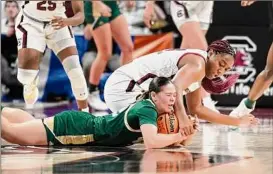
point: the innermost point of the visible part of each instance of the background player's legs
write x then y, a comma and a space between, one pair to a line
193, 36
14, 115
71, 63
27, 133
120, 32
262, 82
264, 79
103, 39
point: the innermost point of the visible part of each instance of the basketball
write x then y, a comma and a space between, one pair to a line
167, 124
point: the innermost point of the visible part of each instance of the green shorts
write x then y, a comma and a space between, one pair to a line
70, 128
90, 19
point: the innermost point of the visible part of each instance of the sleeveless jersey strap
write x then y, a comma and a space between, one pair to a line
126, 121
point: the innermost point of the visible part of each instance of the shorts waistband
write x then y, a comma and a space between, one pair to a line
36, 20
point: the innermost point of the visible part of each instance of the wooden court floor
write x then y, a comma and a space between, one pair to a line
215, 150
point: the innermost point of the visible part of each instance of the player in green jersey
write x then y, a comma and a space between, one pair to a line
78, 128
104, 21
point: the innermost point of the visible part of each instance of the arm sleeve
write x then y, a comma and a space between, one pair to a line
147, 115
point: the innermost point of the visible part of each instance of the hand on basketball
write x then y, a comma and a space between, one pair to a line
246, 3
59, 22
248, 120
148, 14
195, 121
186, 127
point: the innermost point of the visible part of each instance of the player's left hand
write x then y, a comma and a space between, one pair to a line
58, 22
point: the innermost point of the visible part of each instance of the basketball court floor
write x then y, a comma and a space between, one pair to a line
215, 150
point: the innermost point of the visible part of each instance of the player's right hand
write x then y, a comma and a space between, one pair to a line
103, 9
186, 127
148, 14
246, 3
87, 32
195, 121
248, 120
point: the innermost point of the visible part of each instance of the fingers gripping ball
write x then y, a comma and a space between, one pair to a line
195, 122
167, 124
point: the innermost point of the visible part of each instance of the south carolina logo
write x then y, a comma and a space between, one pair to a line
244, 46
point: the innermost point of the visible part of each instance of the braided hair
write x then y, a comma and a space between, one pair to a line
220, 84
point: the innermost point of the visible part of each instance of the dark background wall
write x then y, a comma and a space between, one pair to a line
249, 30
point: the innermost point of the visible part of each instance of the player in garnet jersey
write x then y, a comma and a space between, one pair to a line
44, 23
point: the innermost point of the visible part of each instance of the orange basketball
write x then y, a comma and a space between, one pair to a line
167, 124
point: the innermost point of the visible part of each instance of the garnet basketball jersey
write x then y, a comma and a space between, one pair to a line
43, 10
163, 63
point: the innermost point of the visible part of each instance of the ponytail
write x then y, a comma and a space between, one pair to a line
144, 95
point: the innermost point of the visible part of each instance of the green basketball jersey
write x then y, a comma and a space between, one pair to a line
123, 128
117, 129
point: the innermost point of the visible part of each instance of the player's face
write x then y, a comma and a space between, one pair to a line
164, 100
11, 10
218, 65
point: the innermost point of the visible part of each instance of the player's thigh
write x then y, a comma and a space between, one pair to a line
31, 43
121, 34
103, 39
205, 15
15, 115
30, 133
181, 13
59, 40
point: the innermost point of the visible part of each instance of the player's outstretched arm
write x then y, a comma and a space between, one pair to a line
196, 108
154, 140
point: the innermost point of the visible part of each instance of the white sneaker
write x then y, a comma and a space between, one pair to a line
31, 92
95, 102
209, 103
241, 109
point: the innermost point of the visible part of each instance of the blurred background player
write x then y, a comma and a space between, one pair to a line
262, 82
44, 23
11, 87
192, 19
104, 22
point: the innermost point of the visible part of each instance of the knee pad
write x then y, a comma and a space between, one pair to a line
75, 74
26, 76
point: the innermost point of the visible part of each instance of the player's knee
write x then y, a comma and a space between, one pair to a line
28, 58
128, 48
26, 76
104, 55
75, 74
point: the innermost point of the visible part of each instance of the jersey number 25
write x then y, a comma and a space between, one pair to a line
46, 5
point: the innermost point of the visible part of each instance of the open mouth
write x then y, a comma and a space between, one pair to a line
171, 107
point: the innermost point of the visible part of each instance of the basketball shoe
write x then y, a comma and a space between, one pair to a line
31, 92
